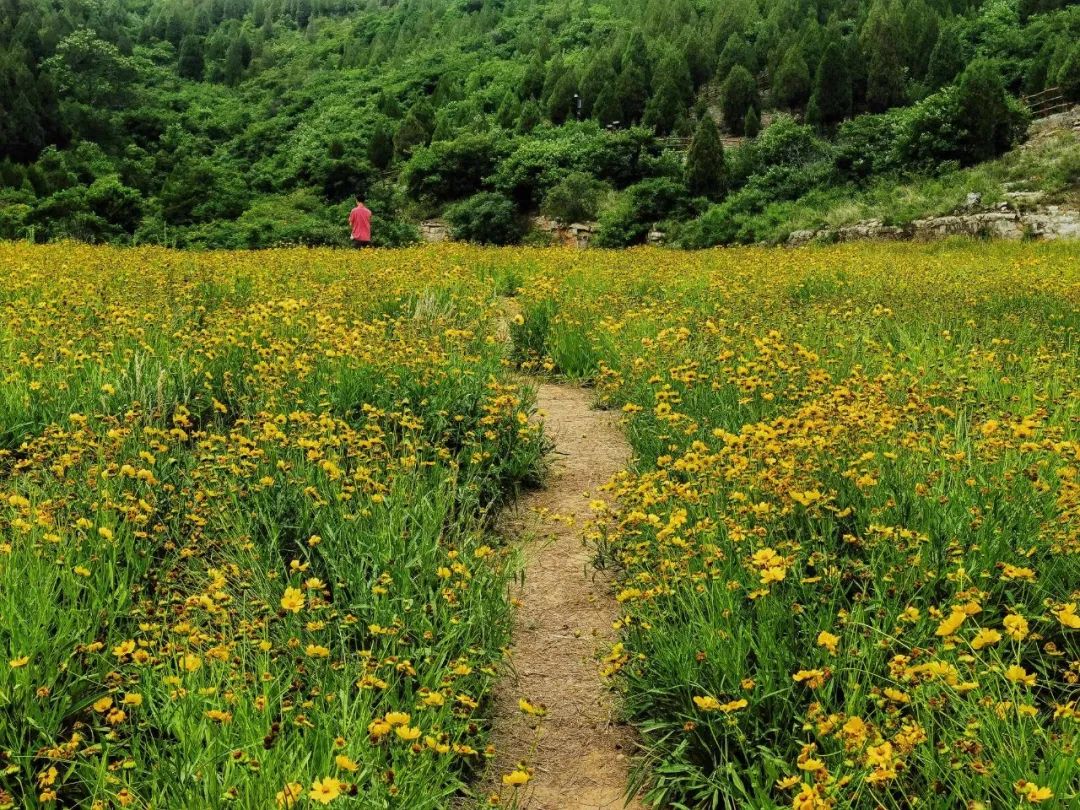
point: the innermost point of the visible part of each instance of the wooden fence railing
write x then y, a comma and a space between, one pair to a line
682, 144
1046, 102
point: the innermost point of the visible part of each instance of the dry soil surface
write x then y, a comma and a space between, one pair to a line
579, 752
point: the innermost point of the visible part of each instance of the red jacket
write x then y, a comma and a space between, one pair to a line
360, 221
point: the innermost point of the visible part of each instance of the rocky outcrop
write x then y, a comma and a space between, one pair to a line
577, 234
434, 231
1008, 221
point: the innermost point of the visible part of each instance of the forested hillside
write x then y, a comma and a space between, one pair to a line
253, 122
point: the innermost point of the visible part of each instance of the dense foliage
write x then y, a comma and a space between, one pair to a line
251, 122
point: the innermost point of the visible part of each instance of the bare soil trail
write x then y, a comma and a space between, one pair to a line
579, 752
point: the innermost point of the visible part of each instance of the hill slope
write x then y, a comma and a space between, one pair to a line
233, 122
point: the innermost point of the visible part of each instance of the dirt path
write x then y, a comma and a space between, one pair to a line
578, 752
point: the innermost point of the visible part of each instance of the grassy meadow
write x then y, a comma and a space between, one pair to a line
247, 557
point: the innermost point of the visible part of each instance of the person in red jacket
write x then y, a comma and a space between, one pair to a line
360, 222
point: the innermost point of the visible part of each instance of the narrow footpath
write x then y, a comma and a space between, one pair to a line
578, 752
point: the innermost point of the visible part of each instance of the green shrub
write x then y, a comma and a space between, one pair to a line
453, 170
865, 146
643, 205
575, 198
487, 219
949, 126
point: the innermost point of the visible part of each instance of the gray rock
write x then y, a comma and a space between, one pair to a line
1025, 198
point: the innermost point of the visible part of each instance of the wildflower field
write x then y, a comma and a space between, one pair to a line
246, 508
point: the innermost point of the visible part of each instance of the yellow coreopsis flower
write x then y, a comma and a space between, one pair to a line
346, 764
1017, 674
985, 638
516, 778
1066, 614
293, 600
1032, 793
324, 790
950, 625
1016, 627
828, 641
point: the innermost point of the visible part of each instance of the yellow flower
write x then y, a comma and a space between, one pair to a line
1066, 614
22, 661
133, 699
1017, 674
124, 648
407, 733
1010, 572
984, 638
378, 729
807, 498
828, 641
293, 600
516, 777
814, 678
289, 795
527, 708
398, 718
317, 651
1030, 792
707, 703
1016, 627
346, 764
324, 790
950, 625
733, 706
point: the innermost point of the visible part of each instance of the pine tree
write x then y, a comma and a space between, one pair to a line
190, 63
632, 93
832, 87
637, 54
663, 110
416, 130
881, 39
752, 124
388, 105
700, 57
736, 52
531, 116
946, 59
983, 112
598, 75
561, 103
920, 33
607, 109
674, 70
380, 148
706, 172
554, 75
738, 94
237, 58
532, 85
1068, 75
791, 86
509, 111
